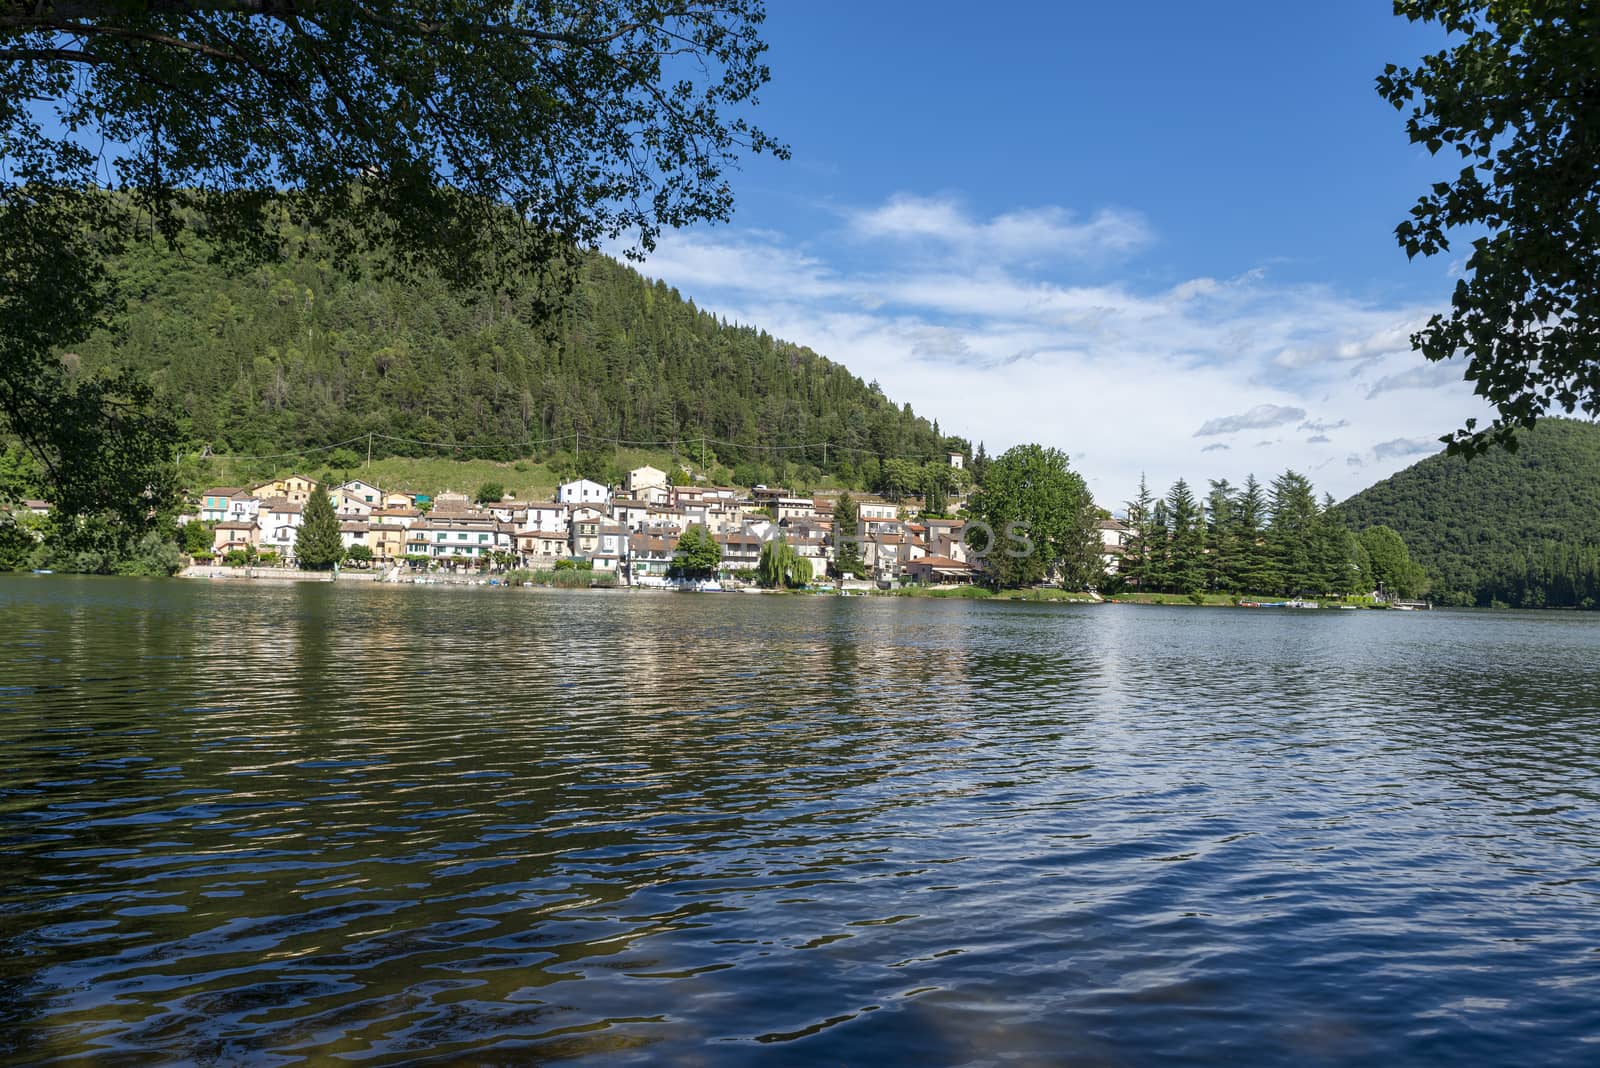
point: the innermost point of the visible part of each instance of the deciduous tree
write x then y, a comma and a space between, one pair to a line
1515, 98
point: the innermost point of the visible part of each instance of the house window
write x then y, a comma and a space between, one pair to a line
483, 537
442, 535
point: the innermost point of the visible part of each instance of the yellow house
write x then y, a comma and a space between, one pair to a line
298, 488
387, 541
271, 488
399, 500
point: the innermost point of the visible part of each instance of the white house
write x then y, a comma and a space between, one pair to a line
548, 516
352, 507
1114, 537
643, 478
363, 491
957, 460
583, 491
353, 532
630, 513
279, 520
214, 503
460, 539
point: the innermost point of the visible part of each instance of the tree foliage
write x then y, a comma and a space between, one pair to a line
293, 355
696, 554
1521, 528
480, 141
316, 543
846, 538
1516, 98
780, 566
1243, 540
1032, 491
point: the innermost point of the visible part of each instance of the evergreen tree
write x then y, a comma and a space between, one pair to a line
935, 485
316, 543
846, 532
1137, 549
1186, 563
1292, 533
1254, 572
1222, 558
1159, 565
1331, 550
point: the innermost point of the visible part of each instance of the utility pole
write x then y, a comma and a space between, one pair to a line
369, 453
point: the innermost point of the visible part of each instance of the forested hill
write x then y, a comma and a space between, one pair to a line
1519, 528
296, 355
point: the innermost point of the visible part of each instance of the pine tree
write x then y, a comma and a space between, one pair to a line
1186, 566
846, 546
1254, 572
316, 543
1292, 533
1222, 559
1136, 548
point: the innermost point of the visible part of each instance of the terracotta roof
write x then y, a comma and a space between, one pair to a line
234, 524
223, 491
942, 563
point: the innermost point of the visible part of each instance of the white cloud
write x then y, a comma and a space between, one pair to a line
1012, 235
1260, 417
1427, 376
1397, 448
1118, 369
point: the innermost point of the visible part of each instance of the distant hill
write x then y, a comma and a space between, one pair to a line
297, 355
1518, 528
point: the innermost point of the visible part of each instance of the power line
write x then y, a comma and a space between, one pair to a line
577, 436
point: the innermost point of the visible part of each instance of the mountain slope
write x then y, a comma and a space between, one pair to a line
298, 355
1520, 528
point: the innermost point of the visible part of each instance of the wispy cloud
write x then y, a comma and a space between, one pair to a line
1318, 439
1386, 340
1009, 348
1398, 448
1427, 376
1261, 417
1322, 426
1015, 234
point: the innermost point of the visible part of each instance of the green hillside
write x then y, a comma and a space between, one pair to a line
1519, 528
297, 355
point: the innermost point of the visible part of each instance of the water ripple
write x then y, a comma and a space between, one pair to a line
445, 826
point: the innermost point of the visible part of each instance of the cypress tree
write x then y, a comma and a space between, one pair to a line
316, 543
846, 547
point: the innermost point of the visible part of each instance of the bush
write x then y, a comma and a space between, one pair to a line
490, 493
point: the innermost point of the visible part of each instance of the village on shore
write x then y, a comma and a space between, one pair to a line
624, 535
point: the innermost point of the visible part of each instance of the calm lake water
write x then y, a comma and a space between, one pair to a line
433, 825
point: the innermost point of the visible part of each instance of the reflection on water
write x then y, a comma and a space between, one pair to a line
433, 824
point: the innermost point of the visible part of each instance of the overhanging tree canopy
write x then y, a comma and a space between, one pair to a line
481, 138
1517, 97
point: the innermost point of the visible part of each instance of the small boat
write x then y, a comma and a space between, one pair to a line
1301, 604
43, 571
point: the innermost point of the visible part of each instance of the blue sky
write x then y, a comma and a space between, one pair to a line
1159, 239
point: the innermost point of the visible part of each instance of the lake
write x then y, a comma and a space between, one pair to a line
331, 823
